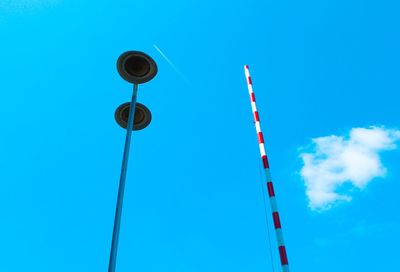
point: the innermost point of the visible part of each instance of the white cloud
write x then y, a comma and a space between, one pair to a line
352, 161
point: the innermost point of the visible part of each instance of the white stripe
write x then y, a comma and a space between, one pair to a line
258, 127
250, 89
253, 106
262, 150
246, 71
274, 207
268, 175
279, 237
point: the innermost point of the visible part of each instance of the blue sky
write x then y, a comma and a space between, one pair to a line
321, 70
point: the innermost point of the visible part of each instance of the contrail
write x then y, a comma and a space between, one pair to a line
172, 64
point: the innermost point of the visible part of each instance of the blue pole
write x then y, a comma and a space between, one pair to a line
118, 211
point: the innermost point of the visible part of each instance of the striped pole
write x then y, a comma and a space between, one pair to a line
270, 187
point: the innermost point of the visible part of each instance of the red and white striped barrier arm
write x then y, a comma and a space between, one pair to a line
270, 187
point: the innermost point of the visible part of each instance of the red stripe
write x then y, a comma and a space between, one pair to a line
252, 97
271, 191
246, 66
249, 80
256, 117
277, 222
282, 253
265, 161
260, 138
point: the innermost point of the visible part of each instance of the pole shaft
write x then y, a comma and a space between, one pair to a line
270, 187
118, 210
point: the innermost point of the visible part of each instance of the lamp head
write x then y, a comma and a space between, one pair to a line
142, 116
136, 67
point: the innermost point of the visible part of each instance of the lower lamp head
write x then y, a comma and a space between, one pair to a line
142, 116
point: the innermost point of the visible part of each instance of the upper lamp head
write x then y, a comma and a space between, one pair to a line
136, 67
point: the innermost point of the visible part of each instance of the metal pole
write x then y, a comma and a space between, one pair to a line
270, 187
118, 211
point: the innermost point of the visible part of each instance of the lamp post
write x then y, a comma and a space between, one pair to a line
137, 68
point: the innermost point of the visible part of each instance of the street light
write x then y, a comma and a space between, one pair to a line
137, 68
142, 116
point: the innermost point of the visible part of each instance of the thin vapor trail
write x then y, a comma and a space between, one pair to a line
171, 64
